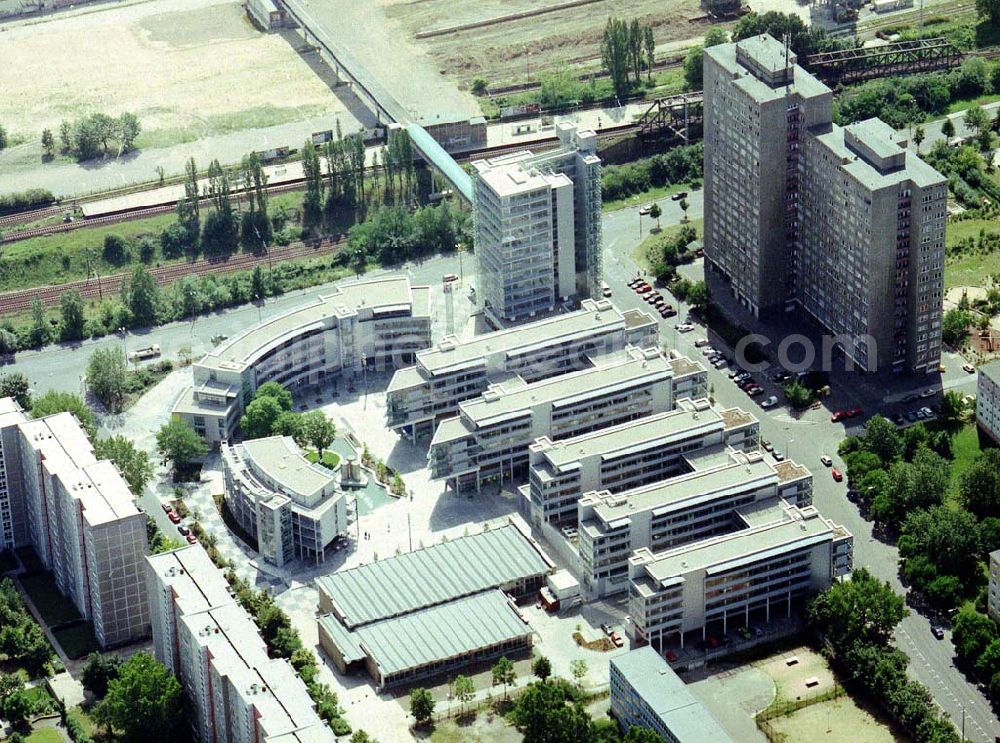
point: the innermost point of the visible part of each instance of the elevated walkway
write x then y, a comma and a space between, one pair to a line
437, 158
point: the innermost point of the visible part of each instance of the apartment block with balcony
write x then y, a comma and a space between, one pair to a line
988, 400
871, 246
488, 441
294, 508
454, 370
785, 555
81, 518
374, 325
618, 458
701, 503
237, 693
538, 227
849, 226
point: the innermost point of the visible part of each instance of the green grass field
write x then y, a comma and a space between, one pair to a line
641, 254
44, 735
970, 269
55, 608
331, 460
965, 448
77, 641
254, 118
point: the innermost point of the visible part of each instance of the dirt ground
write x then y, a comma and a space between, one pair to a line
835, 720
185, 67
517, 49
790, 680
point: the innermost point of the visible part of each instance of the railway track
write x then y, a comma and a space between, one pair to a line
34, 215
19, 301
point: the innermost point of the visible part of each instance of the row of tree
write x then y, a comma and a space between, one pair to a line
858, 616
626, 49
679, 165
22, 642
394, 234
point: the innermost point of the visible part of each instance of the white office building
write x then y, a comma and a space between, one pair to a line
627, 456
457, 370
783, 555
488, 441
988, 400
646, 693
79, 515
373, 325
293, 508
538, 227
237, 693
696, 505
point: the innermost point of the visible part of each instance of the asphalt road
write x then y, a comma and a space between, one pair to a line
805, 439
61, 367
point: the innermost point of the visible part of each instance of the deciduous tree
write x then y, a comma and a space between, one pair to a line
15, 385
107, 372
144, 697
421, 705
178, 444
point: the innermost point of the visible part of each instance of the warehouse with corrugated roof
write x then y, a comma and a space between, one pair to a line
435, 609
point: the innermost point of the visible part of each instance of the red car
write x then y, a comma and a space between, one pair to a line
854, 412
617, 640
838, 416
174, 518
837, 475
671, 656
192, 539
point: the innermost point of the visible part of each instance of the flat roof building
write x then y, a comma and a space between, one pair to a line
784, 554
646, 693
434, 609
628, 455
988, 400
488, 441
79, 515
238, 693
702, 502
538, 227
377, 324
842, 222
295, 509
456, 370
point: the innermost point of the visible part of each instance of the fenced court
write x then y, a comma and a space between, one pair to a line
810, 705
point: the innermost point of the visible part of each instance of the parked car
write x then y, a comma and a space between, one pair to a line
644, 210
678, 196
720, 363
741, 376
449, 277
174, 518
754, 391
898, 419
782, 377
708, 351
827, 462
928, 413
192, 539
766, 445
769, 402
617, 640
929, 392
701, 342
684, 327
969, 368
671, 656
838, 416
183, 530
921, 415
911, 416
667, 311
837, 475
778, 456
938, 632
606, 628
166, 507
854, 412
634, 282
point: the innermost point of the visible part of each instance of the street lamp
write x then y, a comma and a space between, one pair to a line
409, 531
124, 342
